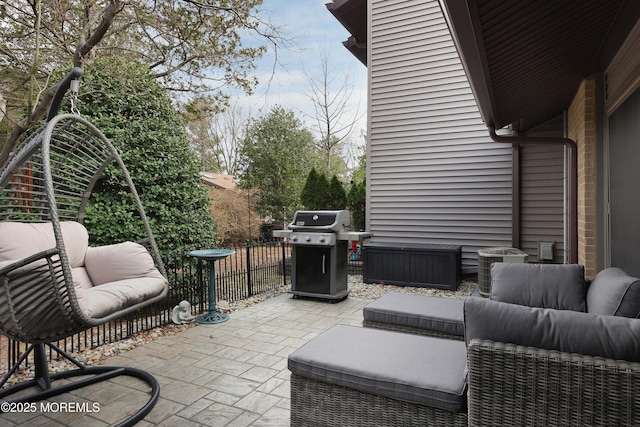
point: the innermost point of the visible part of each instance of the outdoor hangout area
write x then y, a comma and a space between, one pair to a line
205, 221
538, 344
285, 343
387, 355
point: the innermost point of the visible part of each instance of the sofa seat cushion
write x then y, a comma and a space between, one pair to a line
615, 293
19, 240
418, 311
412, 368
557, 286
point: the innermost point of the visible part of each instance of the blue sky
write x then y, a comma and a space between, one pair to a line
312, 30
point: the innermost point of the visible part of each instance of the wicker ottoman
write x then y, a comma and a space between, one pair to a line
359, 376
417, 314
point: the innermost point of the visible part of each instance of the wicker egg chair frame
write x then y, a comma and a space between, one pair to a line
50, 178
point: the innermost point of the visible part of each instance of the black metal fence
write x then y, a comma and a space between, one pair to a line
253, 269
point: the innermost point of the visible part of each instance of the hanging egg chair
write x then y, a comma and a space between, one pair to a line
52, 283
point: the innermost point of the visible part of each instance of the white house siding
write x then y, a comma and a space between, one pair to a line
434, 176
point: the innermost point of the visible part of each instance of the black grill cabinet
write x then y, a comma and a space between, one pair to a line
320, 271
319, 252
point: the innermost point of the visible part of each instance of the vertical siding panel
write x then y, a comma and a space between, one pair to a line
434, 174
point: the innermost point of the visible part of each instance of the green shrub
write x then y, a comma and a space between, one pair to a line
338, 195
126, 103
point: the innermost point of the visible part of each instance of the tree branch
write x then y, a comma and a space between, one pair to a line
108, 16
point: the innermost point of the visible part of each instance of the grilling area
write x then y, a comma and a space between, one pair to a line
319, 241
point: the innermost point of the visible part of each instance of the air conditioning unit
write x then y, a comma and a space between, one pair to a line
488, 256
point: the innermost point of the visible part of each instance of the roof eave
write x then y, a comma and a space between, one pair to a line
471, 53
352, 14
555, 83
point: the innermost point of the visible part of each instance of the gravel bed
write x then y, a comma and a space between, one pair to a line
372, 291
357, 289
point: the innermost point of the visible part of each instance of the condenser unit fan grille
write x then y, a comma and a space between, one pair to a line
488, 256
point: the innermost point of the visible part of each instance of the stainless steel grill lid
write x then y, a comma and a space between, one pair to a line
321, 220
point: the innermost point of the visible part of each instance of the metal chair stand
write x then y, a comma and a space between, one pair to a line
44, 380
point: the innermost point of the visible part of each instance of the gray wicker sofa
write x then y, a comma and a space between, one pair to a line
546, 367
546, 349
554, 353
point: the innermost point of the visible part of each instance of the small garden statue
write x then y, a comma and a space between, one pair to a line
182, 313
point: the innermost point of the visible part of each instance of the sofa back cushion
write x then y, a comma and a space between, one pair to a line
613, 292
558, 286
19, 240
562, 330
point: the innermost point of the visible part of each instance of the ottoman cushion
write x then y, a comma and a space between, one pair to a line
412, 368
418, 311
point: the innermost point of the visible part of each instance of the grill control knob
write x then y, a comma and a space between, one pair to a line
294, 237
321, 239
307, 238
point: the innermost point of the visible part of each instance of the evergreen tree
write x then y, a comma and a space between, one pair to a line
338, 195
356, 202
277, 153
323, 193
309, 191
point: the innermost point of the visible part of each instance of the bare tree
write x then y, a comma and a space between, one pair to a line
336, 113
229, 129
203, 141
216, 135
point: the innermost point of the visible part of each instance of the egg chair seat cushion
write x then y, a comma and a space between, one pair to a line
106, 279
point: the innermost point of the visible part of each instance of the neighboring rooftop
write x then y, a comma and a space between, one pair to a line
218, 180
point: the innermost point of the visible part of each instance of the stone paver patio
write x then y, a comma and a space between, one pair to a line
230, 374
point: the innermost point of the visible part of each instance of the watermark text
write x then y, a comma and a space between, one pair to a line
49, 407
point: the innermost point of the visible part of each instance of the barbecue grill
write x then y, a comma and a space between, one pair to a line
319, 254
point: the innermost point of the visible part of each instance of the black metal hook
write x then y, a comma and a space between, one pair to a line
60, 92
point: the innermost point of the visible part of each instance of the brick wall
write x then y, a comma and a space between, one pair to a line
581, 124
